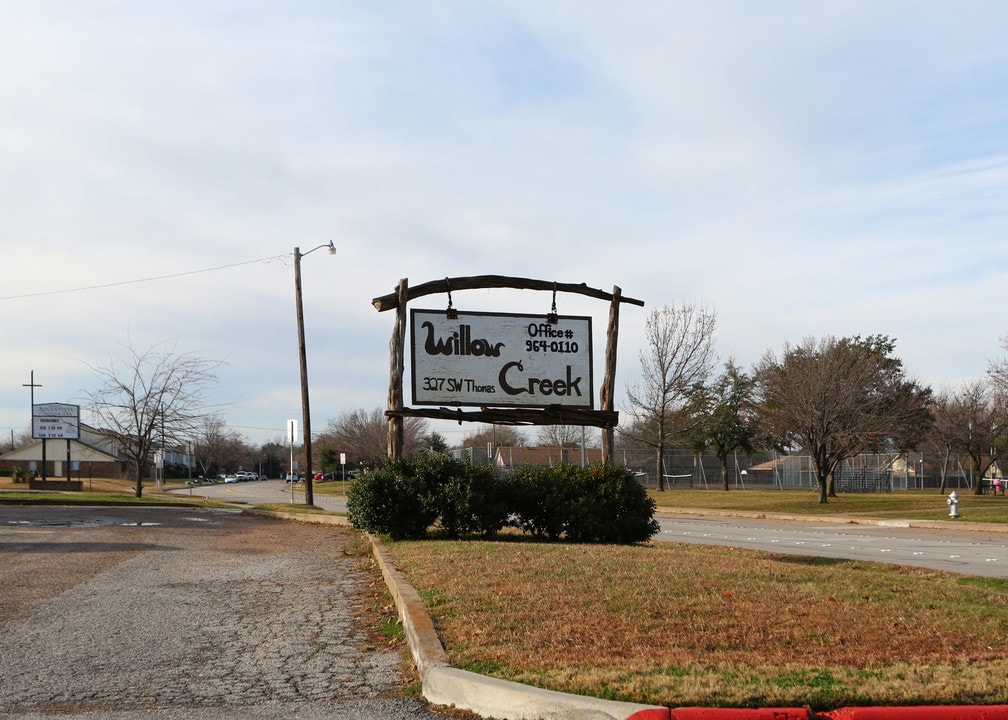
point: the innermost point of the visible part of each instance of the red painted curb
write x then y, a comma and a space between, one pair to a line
698, 713
929, 712
651, 714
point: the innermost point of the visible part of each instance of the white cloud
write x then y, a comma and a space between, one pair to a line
803, 169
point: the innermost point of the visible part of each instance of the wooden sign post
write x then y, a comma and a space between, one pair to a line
525, 406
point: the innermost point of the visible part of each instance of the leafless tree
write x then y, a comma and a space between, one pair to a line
836, 398
569, 436
998, 371
981, 426
215, 445
363, 436
676, 362
149, 396
495, 436
944, 434
21, 439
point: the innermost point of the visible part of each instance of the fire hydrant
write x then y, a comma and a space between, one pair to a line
953, 503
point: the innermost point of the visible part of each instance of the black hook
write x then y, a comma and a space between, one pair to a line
451, 313
551, 317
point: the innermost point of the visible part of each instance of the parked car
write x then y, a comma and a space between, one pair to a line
230, 479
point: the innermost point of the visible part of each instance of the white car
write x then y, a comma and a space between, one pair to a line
230, 479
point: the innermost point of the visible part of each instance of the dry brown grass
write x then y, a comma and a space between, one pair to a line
90, 485
684, 625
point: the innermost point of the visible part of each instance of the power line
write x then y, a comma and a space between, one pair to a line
142, 280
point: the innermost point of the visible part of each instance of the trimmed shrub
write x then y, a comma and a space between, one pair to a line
406, 497
450, 481
394, 499
489, 500
610, 506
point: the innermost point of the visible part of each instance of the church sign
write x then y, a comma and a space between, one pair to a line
495, 359
56, 420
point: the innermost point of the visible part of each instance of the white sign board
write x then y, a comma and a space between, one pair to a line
56, 420
496, 359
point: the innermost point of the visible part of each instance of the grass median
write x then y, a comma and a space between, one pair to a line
679, 625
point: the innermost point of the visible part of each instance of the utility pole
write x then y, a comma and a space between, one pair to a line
305, 412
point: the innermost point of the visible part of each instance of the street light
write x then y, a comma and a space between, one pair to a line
305, 412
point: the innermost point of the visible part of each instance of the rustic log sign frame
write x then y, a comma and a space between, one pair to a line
605, 417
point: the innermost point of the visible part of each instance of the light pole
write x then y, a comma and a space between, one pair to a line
305, 412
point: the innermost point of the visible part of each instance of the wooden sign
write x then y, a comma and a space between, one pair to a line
504, 360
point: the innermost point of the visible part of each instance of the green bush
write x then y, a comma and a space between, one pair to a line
22, 475
406, 497
610, 506
394, 500
540, 499
449, 481
489, 500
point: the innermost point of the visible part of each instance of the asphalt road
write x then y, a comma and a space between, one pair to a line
982, 553
188, 613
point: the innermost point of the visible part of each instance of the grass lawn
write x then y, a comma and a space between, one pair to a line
679, 625
682, 625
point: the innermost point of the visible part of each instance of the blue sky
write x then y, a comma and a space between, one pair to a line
801, 168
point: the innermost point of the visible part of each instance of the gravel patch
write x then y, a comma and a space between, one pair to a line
170, 612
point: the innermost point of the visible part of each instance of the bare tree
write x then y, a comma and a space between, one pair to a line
676, 362
21, 439
217, 446
944, 434
998, 371
363, 436
495, 436
569, 436
146, 397
838, 397
981, 427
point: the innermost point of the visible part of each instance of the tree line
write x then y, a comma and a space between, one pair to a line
830, 398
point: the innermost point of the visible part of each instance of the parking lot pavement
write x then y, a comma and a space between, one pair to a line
185, 613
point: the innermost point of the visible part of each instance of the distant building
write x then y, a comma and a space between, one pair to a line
95, 454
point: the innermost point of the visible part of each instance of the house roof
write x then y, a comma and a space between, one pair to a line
93, 445
55, 450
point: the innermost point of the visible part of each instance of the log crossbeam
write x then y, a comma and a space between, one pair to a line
514, 416
482, 282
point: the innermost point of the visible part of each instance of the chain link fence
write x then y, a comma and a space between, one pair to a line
682, 468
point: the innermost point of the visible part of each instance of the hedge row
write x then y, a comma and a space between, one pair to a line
407, 497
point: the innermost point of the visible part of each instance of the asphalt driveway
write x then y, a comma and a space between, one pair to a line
188, 613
